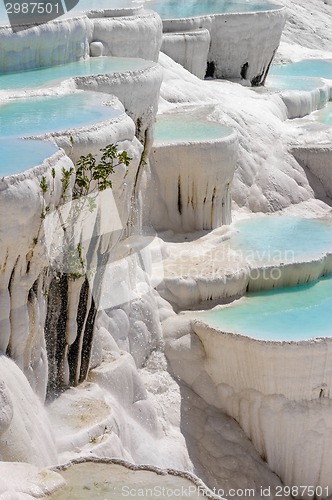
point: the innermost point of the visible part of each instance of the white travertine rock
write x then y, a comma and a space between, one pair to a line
224, 457
138, 35
115, 10
265, 386
318, 159
193, 183
27, 255
138, 91
91, 138
21, 481
147, 426
22, 310
189, 48
235, 38
300, 104
96, 49
267, 177
57, 42
25, 431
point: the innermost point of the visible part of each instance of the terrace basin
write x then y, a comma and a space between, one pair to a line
277, 385
113, 481
40, 115
236, 30
193, 162
324, 115
307, 67
297, 83
181, 128
47, 76
172, 9
288, 314
281, 251
134, 81
276, 239
260, 253
17, 155
301, 95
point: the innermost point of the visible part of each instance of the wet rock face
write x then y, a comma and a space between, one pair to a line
48, 312
68, 360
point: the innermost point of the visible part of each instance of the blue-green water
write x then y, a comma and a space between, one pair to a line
308, 67
282, 239
39, 115
178, 9
296, 313
281, 82
89, 5
181, 127
17, 155
92, 66
325, 115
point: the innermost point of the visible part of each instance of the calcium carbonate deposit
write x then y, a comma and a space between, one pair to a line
166, 251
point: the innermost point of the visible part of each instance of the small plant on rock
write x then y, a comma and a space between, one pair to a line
91, 176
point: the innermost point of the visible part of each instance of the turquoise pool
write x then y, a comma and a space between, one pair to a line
39, 115
308, 67
178, 9
181, 127
324, 115
92, 66
282, 239
89, 5
17, 155
299, 83
296, 313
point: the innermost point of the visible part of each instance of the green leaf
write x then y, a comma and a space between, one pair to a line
43, 184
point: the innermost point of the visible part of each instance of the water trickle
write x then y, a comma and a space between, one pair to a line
25, 432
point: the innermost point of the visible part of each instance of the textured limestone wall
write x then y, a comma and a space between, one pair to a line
190, 49
300, 104
235, 39
131, 36
279, 392
193, 183
57, 42
318, 159
137, 90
